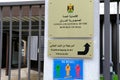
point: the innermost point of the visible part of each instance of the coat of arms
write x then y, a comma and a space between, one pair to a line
70, 8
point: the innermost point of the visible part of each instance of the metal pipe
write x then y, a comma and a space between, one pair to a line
20, 40
118, 21
10, 44
1, 39
29, 47
39, 61
106, 68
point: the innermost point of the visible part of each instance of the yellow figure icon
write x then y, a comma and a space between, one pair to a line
67, 68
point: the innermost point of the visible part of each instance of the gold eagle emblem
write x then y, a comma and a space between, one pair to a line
70, 8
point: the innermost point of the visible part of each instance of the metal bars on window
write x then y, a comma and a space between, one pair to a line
29, 47
106, 68
10, 43
118, 22
39, 62
1, 37
20, 40
106, 71
10, 31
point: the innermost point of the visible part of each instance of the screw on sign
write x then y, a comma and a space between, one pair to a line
58, 70
77, 68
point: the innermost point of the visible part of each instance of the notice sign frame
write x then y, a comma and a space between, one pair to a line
68, 69
70, 19
70, 48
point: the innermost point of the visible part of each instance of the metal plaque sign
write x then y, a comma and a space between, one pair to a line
70, 18
68, 69
70, 48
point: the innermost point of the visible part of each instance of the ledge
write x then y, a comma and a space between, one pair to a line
22, 3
